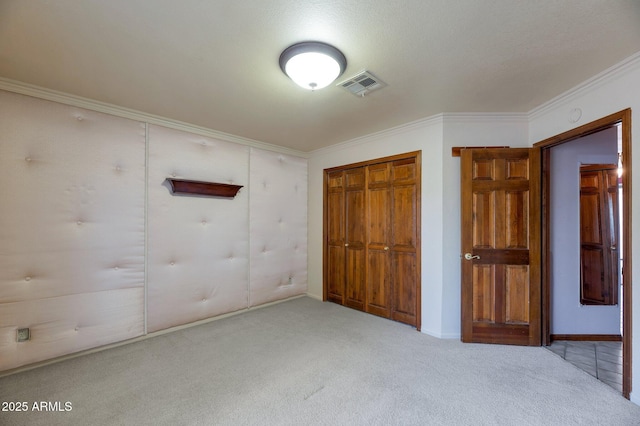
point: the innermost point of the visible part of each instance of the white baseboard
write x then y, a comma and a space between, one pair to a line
440, 335
314, 296
635, 397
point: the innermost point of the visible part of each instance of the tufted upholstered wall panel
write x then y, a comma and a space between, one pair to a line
72, 228
86, 212
278, 226
198, 247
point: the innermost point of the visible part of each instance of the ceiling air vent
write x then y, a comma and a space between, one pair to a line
362, 84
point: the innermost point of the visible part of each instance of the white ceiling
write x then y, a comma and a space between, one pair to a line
215, 63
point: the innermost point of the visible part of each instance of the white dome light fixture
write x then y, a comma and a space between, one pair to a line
312, 64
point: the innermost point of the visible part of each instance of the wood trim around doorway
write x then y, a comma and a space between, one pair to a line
623, 117
587, 337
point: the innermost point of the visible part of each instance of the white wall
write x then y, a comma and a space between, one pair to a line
440, 199
424, 135
568, 316
467, 130
612, 91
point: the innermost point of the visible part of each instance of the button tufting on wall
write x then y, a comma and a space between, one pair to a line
79, 223
116, 268
204, 222
76, 329
79, 118
172, 263
173, 175
28, 159
118, 168
204, 300
27, 278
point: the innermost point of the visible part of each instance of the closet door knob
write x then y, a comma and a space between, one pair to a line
386, 248
346, 244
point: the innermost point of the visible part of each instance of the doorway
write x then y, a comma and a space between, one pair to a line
622, 119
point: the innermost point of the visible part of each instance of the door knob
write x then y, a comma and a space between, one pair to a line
386, 248
346, 244
469, 256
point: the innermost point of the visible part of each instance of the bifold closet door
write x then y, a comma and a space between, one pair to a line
355, 238
335, 240
372, 237
346, 237
392, 240
404, 241
379, 240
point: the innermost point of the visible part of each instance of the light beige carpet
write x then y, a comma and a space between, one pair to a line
308, 362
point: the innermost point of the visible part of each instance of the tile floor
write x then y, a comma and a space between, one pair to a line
603, 360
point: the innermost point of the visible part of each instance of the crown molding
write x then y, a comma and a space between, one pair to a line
360, 140
439, 119
106, 108
614, 72
491, 117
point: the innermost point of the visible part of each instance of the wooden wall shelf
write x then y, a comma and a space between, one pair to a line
212, 189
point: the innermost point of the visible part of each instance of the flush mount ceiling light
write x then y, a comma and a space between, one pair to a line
312, 64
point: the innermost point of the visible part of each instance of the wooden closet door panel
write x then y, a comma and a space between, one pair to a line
404, 237
335, 237
335, 274
378, 293
355, 238
378, 283
404, 287
404, 218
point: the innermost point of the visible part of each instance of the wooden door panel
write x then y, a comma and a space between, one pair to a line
593, 272
355, 225
379, 219
335, 273
379, 224
378, 297
335, 237
404, 287
517, 217
355, 238
354, 179
590, 218
355, 288
484, 293
403, 217
500, 230
404, 172
517, 291
484, 229
517, 169
335, 219
379, 175
335, 180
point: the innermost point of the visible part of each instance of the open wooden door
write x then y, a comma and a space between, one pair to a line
500, 259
